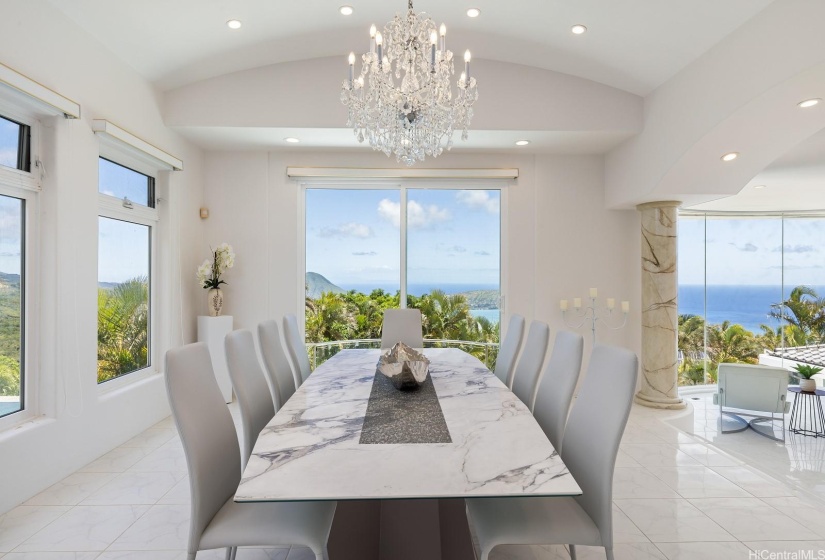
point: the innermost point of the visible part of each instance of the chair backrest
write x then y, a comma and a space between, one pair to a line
276, 363
594, 429
207, 432
508, 350
402, 325
556, 386
753, 387
250, 387
297, 349
529, 364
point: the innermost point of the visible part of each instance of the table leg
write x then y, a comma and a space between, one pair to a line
400, 530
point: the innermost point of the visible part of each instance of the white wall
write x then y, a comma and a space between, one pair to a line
560, 238
77, 421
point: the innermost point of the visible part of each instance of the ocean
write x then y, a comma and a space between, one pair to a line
421, 289
746, 305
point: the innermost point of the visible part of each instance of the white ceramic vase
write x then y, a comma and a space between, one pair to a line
807, 385
214, 300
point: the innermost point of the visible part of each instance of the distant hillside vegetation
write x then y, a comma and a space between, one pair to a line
317, 285
482, 299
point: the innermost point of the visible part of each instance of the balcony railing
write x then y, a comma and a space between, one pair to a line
319, 352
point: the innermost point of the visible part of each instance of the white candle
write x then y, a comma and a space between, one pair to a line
563, 305
463, 80
467, 57
611, 303
379, 41
351, 64
625, 306
594, 292
577, 302
433, 41
372, 38
443, 31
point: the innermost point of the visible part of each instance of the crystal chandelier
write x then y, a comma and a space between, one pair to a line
403, 100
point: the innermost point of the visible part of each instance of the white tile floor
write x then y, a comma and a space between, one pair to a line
677, 495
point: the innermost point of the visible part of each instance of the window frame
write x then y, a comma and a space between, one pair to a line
403, 186
150, 185
29, 344
114, 208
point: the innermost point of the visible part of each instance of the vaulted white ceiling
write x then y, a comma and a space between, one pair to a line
634, 45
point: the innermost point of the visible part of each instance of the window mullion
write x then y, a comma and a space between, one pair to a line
403, 251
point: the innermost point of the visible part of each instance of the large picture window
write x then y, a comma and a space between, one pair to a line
751, 287
124, 272
441, 255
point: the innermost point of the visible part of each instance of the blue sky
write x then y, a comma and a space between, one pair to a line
9, 133
750, 251
353, 236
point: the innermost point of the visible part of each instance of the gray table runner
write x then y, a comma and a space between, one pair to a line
395, 416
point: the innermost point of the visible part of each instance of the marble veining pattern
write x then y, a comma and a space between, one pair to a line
659, 312
310, 450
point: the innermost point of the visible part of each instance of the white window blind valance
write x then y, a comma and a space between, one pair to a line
399, 173
34, 96
119, 144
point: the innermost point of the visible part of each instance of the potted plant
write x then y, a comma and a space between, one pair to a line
209, 276
806, 372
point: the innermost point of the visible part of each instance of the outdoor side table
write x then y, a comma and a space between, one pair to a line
807, 417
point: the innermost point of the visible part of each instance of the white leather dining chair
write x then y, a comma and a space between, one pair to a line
556, 385
210, 445
276, 363
297, 349
529, 364
591, 442
508, 350
402, 325
250, 386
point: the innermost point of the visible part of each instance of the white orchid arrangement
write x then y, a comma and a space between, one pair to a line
209, 273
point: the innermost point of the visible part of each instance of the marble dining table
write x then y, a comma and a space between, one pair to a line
312, 449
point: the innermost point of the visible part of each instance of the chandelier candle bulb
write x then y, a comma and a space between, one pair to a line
594, 292
372, 39
611, 303
443, 32
433, 42
467, 57
563, 305
577, 302
351, 65
625, 306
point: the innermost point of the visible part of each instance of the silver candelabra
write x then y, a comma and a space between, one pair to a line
593, 313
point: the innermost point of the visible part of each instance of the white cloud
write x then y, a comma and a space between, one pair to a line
418, 216
350, 229
479, 200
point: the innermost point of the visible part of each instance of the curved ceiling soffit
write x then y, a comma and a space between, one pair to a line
307, 92
761, 131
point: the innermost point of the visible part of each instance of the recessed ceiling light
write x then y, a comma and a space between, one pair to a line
345, 10
233, 24
809, 103
730, 156
291, 140
473, 12
759, 186
522, 142
578, 29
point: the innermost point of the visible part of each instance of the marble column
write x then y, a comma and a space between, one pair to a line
659, 388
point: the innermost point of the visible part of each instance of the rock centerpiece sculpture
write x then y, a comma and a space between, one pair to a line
406, 368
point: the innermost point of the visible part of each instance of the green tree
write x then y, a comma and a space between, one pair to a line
9, 377
122, 328
805, 310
